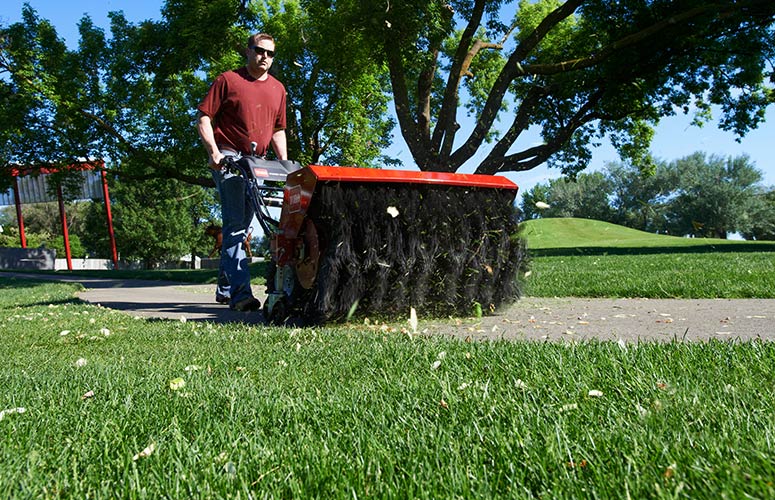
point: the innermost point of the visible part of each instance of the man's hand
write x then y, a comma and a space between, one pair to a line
215, 159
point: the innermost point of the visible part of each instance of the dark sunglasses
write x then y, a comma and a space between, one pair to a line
261, 51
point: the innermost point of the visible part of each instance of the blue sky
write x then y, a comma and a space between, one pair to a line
675, 138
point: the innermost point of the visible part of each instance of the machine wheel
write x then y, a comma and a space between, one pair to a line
279, 313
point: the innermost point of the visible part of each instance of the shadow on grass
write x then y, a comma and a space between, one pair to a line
48, 303
193, 312
691, 249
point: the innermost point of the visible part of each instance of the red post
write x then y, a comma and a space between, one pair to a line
17, 199
106, 195
65, 233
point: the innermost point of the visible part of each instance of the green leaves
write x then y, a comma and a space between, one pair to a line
576, 70
696, 195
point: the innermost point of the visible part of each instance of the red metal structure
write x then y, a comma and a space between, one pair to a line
17, 172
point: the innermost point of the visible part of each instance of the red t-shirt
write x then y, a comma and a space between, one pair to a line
245, 110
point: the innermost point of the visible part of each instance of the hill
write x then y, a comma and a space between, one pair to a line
565, 233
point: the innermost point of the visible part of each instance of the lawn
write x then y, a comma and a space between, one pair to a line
96, 404
586, 258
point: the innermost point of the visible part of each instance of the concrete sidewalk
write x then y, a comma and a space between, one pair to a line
531, 318
153, 299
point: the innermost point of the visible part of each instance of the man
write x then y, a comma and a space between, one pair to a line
243, 106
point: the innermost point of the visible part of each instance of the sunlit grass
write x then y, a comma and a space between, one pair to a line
121, 407
587, 258
661, 275
585, 234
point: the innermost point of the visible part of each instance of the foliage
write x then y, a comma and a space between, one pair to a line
337, 89
154, 221
639, 198
43, 227
10, 239
712, 195
696, 195
532, 199
45, 217
763, 225
586, 196
577, 70
129, 96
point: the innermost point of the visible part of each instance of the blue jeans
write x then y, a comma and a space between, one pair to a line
236, 215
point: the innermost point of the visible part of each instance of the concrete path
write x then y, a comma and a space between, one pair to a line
152, 299
539, 319
631, 320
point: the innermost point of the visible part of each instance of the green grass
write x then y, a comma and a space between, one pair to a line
351, 412
587, 236
663, 275
586, 258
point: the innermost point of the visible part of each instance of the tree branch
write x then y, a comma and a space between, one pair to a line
532, 157
627, 41
520, 123
506, 76
445, 128
159, 169
424, 88
110, 129
409, 129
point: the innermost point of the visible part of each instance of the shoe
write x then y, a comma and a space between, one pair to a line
222, 299
248, 304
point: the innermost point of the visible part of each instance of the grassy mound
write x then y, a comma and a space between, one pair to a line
588, 234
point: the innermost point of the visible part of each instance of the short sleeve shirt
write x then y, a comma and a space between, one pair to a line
245, 110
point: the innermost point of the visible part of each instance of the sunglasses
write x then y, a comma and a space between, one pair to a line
261, 51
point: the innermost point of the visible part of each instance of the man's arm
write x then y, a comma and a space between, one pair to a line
280, 145
206, 133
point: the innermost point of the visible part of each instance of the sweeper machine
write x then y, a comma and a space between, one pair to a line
380, 242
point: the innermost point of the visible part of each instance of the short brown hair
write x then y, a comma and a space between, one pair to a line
257, 37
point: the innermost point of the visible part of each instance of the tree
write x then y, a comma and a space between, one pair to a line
130, 98
534, 202
43, 226
696, 195
339, 92
578, 70
45, 217
585, 196
639, 198
154, 220
713, 196
763, 226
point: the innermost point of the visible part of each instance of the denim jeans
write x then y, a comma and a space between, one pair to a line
236, 215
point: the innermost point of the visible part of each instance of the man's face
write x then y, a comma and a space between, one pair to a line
261, 55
